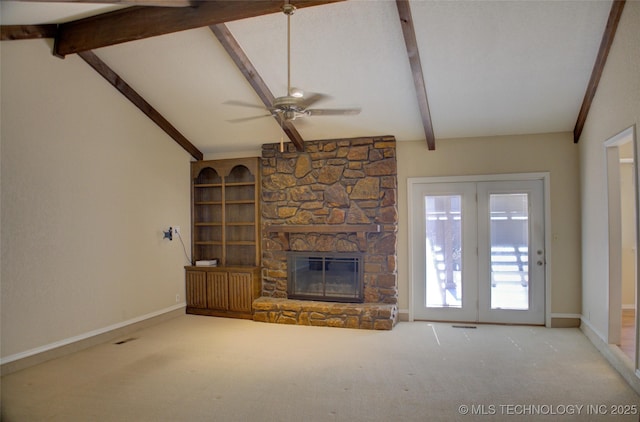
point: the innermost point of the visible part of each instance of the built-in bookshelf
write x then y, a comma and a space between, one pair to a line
225, 228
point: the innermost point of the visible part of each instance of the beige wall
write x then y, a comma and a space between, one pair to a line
88, 183
554, 153
616, 107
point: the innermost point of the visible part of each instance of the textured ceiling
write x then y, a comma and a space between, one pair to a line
491, 68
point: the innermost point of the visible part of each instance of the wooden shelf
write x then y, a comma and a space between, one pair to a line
240, 201
208, 185
240, 184
361, 231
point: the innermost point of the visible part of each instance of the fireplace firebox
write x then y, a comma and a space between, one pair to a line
333, 277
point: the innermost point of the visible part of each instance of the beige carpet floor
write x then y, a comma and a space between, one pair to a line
194, 368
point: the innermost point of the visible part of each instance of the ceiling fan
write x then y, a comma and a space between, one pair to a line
293, 105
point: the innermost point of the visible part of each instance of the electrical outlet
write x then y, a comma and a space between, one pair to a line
177, 298
176, 230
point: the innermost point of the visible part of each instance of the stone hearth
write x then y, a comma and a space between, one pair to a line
326, 199
371, 316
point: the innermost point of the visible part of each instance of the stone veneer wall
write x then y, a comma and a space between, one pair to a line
348, 181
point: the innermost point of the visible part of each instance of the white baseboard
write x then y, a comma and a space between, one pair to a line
558, 315
403, 315
73, 344
563, 320
613, 354
591, 331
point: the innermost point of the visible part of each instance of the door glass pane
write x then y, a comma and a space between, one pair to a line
509, 227
443, 251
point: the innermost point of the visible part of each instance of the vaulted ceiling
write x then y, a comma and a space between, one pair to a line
487, 67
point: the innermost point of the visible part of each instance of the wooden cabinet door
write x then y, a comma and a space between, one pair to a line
196, 289
240, 291
218, 290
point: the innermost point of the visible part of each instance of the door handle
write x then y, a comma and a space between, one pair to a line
540, 261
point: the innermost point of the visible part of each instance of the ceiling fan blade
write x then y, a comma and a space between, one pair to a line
243, 104
246, 119
333, 111
308, 101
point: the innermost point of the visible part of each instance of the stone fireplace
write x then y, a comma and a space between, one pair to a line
336, 200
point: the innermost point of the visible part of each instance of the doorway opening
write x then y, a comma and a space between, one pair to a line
622, 192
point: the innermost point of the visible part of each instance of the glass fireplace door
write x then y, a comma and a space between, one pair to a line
334, 277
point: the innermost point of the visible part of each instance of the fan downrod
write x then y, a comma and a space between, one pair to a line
293, 105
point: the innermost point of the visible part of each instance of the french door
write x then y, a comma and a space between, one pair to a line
478, 251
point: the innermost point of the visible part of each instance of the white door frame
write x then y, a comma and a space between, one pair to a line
614, 251
544, 176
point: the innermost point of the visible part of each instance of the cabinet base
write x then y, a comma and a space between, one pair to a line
219, 313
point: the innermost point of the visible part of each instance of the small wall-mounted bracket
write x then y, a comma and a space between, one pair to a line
168, 234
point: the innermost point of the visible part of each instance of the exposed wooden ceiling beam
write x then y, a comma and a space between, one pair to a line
125, 89
163, 3
293, 135
27, 32
406, 20
251, 74
140, 22
605, 45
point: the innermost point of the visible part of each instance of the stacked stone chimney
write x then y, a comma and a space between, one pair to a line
341, 183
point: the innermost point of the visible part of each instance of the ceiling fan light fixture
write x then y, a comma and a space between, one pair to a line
296, 93
293, 105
